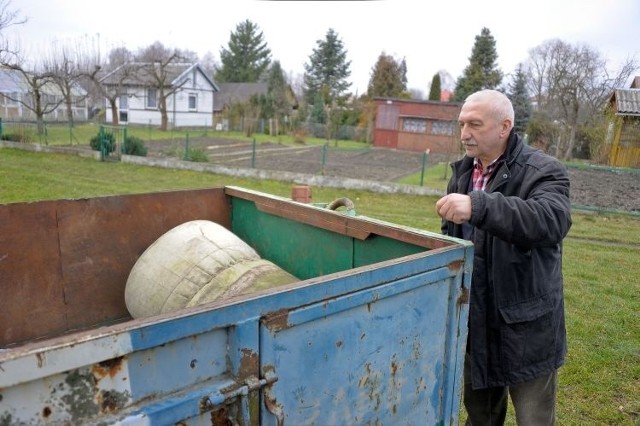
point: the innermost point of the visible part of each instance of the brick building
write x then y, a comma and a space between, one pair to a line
415, 125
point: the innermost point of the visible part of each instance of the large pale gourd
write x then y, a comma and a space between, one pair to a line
197, 262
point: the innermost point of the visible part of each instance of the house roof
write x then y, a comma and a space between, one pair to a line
12, 81
141, 74
237, 93
626, 101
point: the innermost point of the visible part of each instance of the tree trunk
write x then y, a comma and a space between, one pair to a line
568, 155
114, 111
164, 117
40, 123
69, 106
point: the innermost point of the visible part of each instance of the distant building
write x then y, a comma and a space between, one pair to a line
623, 139
189, 104
415, 125
17, 99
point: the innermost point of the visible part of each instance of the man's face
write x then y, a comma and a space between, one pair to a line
482, 136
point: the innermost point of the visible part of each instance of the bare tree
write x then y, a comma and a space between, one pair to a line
160, 66
64, 65
37, 94
108, 78
8, 18
571, 84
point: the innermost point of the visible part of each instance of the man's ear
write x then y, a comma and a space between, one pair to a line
506, 128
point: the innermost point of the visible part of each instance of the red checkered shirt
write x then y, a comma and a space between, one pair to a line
481, 175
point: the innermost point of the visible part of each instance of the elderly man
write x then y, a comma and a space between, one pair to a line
512, 201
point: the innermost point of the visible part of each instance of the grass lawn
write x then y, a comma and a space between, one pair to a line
600, 383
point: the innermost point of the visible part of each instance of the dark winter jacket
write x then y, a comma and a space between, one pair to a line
516, 311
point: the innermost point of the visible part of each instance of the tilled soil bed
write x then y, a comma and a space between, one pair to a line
600, 188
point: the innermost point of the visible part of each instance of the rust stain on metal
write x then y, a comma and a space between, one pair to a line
272, 405
277, 320
463, 299
109, 368
220, 417
111, 401
249, 363
456, 265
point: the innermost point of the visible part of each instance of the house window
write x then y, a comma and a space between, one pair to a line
123, 102
414, 125
152, 98
439, 127
193, 101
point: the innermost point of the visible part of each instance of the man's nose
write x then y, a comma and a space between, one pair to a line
464, 132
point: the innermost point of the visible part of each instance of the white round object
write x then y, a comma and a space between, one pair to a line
197, 262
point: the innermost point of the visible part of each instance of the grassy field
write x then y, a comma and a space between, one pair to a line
81, 134
600, 383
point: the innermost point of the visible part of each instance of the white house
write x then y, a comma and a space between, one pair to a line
188, 90
17, 99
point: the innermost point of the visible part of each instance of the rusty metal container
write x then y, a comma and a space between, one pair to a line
373, 332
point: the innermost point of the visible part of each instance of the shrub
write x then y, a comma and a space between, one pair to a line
196, 155
19, 135
109, 142
134, 146
13, 137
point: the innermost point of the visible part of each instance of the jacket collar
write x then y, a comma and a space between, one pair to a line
514, 146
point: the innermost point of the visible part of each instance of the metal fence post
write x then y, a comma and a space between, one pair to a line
186, 147
124, 140
101, 143
253, 154
324, 155
425, 155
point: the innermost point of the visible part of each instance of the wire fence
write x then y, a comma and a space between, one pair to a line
81, 133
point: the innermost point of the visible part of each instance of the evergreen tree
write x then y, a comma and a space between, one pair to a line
388, 78
436, 88
317, 113
519, 95
277, 90
327, 71
247, 57
482, 71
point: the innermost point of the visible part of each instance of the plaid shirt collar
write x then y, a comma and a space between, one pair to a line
482, 175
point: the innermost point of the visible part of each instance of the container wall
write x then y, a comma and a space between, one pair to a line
64, 264
373, 333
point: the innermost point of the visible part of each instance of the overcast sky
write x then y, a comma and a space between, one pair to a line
430, 35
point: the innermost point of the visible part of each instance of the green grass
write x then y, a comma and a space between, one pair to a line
80, 134
435, 176
600, 383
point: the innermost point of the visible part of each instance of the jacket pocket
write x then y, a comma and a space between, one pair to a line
527, 335
527, 311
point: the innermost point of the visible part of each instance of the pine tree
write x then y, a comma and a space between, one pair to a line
436, 88
519, 96
277, 89
327, 71
388, 78
248, 55
482, 71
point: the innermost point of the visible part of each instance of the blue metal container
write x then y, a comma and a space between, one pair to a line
373, 333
